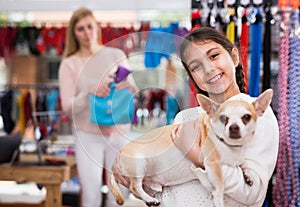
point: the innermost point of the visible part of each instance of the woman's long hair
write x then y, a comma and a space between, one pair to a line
72, 45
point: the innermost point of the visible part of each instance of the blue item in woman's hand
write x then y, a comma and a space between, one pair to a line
117, 108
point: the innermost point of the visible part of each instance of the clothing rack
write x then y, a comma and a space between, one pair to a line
45, 113
40, 86
36, 106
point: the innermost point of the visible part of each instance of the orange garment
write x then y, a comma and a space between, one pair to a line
21, 113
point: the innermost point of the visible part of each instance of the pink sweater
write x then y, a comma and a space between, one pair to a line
80, 75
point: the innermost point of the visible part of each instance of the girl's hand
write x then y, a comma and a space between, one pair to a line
187, 138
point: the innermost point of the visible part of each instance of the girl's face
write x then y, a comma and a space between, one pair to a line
86, 31
212, 67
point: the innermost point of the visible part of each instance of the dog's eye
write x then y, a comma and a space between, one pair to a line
246, 118
223, 119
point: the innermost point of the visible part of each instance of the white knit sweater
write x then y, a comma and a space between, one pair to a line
260, 154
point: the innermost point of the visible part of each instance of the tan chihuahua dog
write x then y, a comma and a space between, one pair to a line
152, 160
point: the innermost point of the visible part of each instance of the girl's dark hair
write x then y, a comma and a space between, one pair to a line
203, 34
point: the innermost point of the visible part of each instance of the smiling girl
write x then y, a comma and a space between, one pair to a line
213, 63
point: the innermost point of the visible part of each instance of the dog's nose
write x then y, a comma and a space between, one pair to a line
234, 131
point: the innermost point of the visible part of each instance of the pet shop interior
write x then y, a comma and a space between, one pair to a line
37, 155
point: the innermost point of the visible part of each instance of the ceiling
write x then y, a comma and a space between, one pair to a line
70, 5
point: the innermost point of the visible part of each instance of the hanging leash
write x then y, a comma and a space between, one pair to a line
230, 30
294, 101
266, 83
244, 46
256, 42
284, 171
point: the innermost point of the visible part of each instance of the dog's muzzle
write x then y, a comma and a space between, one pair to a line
234, 131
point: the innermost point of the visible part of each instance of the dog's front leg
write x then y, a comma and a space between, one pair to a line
136, 187
214, 174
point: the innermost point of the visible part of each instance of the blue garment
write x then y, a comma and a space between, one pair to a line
52, 100
172, 108
160, 43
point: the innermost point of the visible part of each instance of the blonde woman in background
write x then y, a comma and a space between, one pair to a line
88, 67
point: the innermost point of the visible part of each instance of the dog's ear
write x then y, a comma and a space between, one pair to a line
207, 104
263, 101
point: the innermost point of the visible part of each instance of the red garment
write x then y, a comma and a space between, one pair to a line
156, 96
120, 37
244, 47
3, 35
195, 19
44, 131
61, 43
50, 35
52, 38
7, 37
130, 41
11, 35
40, 43
143, 33
27, 107
107, 34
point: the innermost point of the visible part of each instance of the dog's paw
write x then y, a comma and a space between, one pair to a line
153, 203
247, 178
